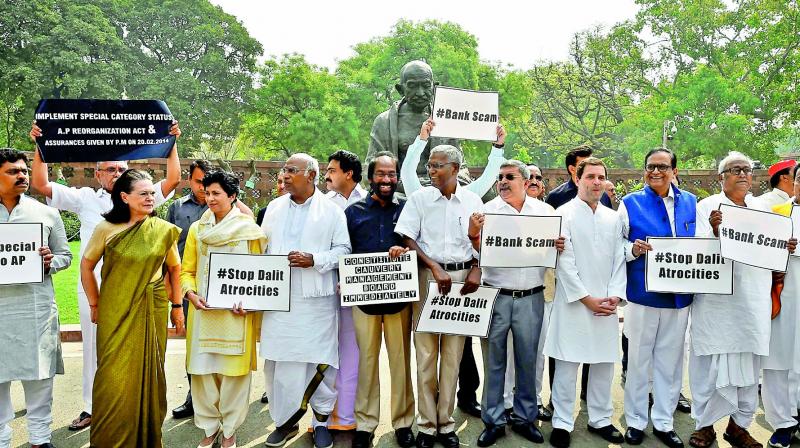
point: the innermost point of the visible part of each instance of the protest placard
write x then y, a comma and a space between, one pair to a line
796, 226
466, 114
260, 282
755, 237
687, 266
369, 279
456, 314
20, 261
519, 241
101, 130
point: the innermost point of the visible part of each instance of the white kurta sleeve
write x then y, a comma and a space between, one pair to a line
340, 245
627, 245
67, 198
617, 286
408, 172
487, 179
57, 242
567, 271
702, 226
160, 198
409, 224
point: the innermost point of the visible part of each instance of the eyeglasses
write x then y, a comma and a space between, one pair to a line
738, 170
539, 178
389, 175
114, 169
507, 176
650, 167
290, 170
436, 166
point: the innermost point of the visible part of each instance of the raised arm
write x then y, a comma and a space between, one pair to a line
39, 179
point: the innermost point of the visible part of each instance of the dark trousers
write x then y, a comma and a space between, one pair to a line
468, 379
624, 353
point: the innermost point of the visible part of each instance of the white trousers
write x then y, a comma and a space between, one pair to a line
540, 358
39, 405
655, 346
779, 399
598, 397
89, 335
220, 401
708, 402
794, 388
286, 385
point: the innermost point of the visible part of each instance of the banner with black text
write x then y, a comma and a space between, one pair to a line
456, 314
260, 282
20, 261
755, 237
465, 114
374, 278
687, 266
103, 130
519, 241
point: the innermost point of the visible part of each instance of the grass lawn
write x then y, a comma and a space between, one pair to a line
66, 284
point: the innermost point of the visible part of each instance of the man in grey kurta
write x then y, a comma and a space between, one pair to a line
30, 348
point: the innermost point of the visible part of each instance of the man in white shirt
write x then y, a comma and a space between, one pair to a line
434, 223
584, 326
730, 334
90, 205
782, 183
343, 180
518, 312
301, 346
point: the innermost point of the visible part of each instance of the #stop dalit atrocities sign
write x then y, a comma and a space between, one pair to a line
465, 114
455, 313
103, 130
260, 282
687, 266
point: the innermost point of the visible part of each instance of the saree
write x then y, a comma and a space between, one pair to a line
129, 394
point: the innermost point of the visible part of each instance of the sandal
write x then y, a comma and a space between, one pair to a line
703, 438
83, 421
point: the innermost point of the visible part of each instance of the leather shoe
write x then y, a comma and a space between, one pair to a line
448, 440
634, 436
404, 437
473, 408
490, 435
264, 398
529, 431
83, 421
609, 433
684, 405
545, 414
425, 440
362, 439
669, 438
183, 411
559, 438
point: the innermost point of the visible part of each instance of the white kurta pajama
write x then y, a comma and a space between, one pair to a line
730, 335
30, 346
297, 342
89, 205
592, 264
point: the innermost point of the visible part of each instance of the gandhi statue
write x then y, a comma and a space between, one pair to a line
395, 129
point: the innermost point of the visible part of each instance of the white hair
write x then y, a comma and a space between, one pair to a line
311, 164
523, 169
452, 153
733, 156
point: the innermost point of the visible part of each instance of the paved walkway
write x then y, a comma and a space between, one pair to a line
253, 433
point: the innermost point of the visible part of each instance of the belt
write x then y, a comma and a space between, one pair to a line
519, 293
460, 266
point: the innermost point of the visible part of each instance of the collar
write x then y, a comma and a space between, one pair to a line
100, 192
459, 193
194, 199
373, 203
782, 194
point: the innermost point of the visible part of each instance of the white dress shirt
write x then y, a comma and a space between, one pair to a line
356, 195
515, 278
438, 225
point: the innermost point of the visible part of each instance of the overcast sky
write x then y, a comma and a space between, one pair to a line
515, 32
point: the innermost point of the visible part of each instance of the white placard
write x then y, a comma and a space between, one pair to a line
687, 266
456, 314
260, 282
755, 237
20, 261
519, 241
796, 226
465, 114
374, 278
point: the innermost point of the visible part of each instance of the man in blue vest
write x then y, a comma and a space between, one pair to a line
655, 323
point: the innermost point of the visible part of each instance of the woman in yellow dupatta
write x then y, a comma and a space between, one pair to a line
130, 309
220, 344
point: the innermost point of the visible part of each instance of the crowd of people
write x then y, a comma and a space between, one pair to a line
137, 271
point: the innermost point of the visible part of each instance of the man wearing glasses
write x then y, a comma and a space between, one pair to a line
90, 205
655, 323
730, 333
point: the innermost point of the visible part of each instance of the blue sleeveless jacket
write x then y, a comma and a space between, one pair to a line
647, 215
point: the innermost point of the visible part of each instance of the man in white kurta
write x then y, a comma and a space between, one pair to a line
729, 333
90, 205
300, 346
584, 325
30, 346
782, 183
782, 366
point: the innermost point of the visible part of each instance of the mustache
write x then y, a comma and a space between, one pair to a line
21, 182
